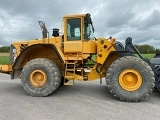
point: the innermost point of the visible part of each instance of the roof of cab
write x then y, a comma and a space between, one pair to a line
74, 15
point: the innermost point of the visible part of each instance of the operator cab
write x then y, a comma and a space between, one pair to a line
77, 30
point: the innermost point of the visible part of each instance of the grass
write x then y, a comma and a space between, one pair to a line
4, 59
149, 56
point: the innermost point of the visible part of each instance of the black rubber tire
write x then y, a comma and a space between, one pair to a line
52, 73
130, 62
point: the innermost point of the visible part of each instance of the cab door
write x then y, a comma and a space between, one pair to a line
73, 35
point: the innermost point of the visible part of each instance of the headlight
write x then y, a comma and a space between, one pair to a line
13, 51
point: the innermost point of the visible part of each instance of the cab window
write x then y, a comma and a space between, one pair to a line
74, 29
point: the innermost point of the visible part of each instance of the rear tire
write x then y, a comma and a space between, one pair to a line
40, 77
130, 79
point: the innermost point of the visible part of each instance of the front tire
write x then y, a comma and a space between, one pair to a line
40, 77
130, 79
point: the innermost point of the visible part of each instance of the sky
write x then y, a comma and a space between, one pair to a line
139, 19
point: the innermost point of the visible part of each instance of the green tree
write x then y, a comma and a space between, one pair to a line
5, 49
145, 49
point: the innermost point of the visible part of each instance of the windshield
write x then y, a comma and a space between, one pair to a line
89, 29
88, 32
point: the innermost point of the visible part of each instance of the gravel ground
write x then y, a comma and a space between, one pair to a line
83, 101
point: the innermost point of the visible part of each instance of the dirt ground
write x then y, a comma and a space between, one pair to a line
4, 54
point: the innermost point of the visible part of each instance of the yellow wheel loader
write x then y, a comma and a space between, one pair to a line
75, 54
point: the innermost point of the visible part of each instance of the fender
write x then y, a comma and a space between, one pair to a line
25, 54
114, 55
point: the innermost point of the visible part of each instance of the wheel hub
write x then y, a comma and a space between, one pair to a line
38, 78
130, 79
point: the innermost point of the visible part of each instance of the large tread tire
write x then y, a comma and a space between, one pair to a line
130, 62
52, 73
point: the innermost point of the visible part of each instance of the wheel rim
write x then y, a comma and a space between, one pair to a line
38, 78
130, 79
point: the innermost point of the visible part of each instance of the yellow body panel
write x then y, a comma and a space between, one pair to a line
90, 46
74, 16
104, 47
75, 76
73, 46
93, 75
53, 40
6, 68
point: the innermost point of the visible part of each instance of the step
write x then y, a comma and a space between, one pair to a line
68, 83
71, 63
85, 77
69, 77
79, 68
69, 69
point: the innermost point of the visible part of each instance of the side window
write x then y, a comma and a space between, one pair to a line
74, 29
